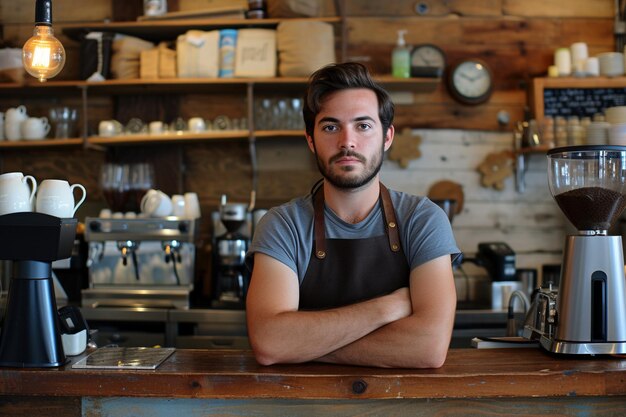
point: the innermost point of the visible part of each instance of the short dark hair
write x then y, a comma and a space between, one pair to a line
335, 77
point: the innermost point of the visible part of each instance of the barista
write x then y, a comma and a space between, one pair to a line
353, 273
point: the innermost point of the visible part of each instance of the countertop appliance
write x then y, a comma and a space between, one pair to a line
143, 262
587, 313
231, 277
30, 334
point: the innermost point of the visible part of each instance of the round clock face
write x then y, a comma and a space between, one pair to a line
427, 61
428, 56
471, 82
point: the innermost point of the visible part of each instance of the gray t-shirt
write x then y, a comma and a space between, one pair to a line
286, 232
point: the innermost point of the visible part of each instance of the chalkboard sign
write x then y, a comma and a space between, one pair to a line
581, 102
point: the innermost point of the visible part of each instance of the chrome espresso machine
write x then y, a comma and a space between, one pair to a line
140, 262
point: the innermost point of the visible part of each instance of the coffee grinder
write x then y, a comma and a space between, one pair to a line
230, 275
587, 314
30, 331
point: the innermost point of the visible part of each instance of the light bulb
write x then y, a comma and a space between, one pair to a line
43, 55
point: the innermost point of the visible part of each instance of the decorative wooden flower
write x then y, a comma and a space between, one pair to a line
495, 168
405, 147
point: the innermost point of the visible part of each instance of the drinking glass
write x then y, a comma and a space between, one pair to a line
64, 120
115, 185
141, 180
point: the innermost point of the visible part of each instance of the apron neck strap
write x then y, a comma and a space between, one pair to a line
319, 229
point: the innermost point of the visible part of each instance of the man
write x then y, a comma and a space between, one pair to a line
353, 273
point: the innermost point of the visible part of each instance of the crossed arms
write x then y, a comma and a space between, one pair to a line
409, 328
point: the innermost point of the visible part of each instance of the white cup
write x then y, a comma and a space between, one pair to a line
592, 66
156, 204
56, 198
178, 202
579, 53
196, 125
109, 128
611, 64
563, 61
16, 113
35, 128
13, 119
192, 206
156, 127
16, 195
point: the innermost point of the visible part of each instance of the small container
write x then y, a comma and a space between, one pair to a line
154, 7
563, 61
228, 45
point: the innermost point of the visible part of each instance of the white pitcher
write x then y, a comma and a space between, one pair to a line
13, 119
56, 198
15, 194
35, 128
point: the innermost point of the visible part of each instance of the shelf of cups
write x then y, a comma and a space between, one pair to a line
44, 143
279, 133
141, 139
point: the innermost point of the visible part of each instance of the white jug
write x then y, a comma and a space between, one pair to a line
13, 119
35, 128
56, 198
15, 194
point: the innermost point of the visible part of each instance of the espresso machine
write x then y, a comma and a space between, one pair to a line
586, 314
140, 262
31, 335
230, 275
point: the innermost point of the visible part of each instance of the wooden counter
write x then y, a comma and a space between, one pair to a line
492, 379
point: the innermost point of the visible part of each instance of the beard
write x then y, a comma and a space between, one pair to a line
343, 179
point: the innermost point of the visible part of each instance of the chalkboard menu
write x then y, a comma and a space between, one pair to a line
581, 101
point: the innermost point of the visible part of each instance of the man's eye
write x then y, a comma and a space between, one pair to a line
329, 128
364, 126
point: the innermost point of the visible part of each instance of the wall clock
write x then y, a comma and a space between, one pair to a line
471, 81
427, 60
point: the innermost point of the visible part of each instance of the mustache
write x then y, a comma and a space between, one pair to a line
347, 153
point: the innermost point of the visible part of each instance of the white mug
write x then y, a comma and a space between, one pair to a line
35, 128
156, 204
56, 198
156, 128
13, 122
197, 125
16, 113
109, 128
192, 206
178, 202
15, 194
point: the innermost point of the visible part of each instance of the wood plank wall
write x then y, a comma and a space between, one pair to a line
515, 37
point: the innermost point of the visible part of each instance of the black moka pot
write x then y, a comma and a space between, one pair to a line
30, 335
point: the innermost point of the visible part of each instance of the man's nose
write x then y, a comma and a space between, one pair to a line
347, 139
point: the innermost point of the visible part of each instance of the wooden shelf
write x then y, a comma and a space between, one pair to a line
279, 133
158, 30
167, 138
41, 143
387, 80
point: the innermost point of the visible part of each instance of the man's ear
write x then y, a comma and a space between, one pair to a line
389, 137
309, 141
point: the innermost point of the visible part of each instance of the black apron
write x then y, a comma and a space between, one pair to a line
346, 271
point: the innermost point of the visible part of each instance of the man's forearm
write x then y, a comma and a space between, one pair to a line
300, 336
411, 342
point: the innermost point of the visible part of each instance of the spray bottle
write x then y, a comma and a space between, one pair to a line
401, 58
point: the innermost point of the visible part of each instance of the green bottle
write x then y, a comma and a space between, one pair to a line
401, 58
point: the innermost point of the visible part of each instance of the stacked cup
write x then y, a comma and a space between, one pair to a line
13, 122
616, 117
